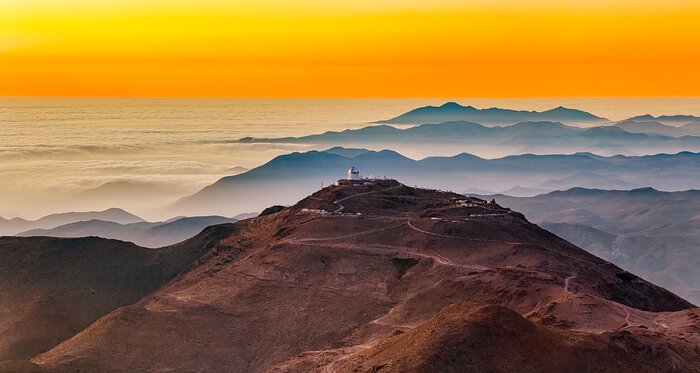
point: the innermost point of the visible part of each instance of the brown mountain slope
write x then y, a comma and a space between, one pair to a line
651, 233
306, 290
52, 288
464, 338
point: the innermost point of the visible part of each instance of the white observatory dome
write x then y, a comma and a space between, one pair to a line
353, 173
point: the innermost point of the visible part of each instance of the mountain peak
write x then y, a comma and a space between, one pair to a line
452, 111
346, 152
455, 105
643, 117
450, 104
347, 197
645, 190
355, 270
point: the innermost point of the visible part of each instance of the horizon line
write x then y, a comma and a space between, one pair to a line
349, 97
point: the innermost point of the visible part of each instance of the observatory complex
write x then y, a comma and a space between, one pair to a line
354, 178
354, 173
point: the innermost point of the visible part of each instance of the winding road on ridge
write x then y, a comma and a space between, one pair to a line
341, 207
567, 281
628, 323
437, 258
458, 238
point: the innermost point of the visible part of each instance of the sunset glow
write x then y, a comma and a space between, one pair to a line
365, 48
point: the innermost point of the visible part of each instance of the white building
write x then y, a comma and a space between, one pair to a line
353, 173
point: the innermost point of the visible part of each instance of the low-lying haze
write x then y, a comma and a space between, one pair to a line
54, 152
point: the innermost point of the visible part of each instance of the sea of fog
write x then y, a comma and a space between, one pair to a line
54, 152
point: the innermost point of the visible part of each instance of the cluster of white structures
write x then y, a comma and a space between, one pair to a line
465, 203
326, 212
315, 211
355, 179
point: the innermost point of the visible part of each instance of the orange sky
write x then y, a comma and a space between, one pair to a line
358, 48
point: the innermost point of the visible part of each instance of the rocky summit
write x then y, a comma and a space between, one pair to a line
377, 276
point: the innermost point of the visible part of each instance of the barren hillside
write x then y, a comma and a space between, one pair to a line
387, 278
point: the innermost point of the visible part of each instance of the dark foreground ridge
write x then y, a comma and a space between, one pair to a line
376, 276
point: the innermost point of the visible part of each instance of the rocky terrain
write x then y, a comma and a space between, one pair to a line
52, 288
373, 277
651, 233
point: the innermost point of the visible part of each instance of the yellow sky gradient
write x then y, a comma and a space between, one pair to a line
360, 48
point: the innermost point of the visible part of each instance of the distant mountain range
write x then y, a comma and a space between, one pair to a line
433, 132
117, 224
453, 128
539, 137
658, 128
143, 234
289, 177
13, 226
673, 120
652, 233
452, 111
